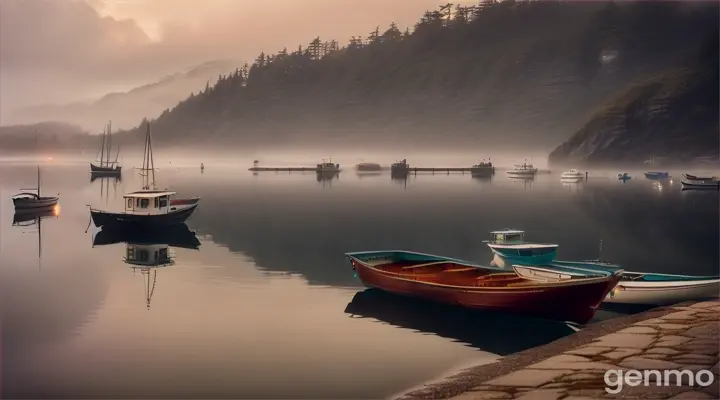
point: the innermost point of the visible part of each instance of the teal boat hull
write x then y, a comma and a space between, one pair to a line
514, 256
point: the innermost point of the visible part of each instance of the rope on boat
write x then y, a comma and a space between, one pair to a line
89, 222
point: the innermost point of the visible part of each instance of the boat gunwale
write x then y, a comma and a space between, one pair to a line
519, 245
177, 210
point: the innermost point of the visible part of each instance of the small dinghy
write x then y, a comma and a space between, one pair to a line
648, 288
31, 201
657, 175
699, 177
708, 184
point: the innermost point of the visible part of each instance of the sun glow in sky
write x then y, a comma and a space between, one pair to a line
61, 51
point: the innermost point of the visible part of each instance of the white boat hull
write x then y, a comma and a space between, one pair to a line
663, 293
520, 173
712, 185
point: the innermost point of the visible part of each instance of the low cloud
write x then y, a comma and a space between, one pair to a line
58, 51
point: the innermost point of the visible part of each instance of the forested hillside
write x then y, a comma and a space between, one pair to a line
673, 115
512, 74
529, 72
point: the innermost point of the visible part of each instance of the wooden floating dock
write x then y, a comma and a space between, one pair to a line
436, 169
447, 170
288, 169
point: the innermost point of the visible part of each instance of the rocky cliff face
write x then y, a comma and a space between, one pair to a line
673, 115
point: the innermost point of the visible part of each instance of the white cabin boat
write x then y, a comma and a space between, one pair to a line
523, 170
327, 166
510, 245
572, 175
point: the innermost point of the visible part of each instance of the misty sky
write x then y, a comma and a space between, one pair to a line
59, 51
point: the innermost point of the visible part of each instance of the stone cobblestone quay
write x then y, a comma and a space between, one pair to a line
683, 337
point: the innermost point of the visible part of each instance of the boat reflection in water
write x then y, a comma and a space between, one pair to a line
493, 332
33, 216
149, 251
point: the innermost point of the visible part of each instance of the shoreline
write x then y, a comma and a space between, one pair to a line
466, 379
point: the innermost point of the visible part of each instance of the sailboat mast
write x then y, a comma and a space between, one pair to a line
38, 183
150, 156
102, 146
109, 141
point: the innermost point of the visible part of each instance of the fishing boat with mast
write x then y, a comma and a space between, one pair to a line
523, 170
148, 208
32, 201
106, 167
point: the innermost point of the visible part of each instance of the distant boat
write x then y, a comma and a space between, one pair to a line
572, 175
522, 170
327, 166
400, 167
482, 169
510, 245
369, 167
106, 166
30, 201
624, 176
657, 175
147, 208
445, 280
705, 184
699, 177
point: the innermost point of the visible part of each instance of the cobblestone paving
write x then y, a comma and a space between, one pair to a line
684, 339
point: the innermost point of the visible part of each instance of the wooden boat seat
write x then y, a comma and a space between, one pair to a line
425, 265
461, 269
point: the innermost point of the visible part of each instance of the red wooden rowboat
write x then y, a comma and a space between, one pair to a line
523, 290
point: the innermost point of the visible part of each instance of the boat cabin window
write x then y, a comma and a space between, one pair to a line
508, 237
515, 237
163, 202
157, 202
144, 203
129, 203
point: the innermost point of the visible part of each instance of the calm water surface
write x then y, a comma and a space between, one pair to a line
268, 307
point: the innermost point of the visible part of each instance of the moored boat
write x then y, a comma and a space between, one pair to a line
482, 169
368, 167
647, 288
522, 170
709, 184
106, 167
571, 298
572, 175
663, 289
699, 177
510, 245
624, 176
32, 201
400, 167
657, 175
148, 208
327, 166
